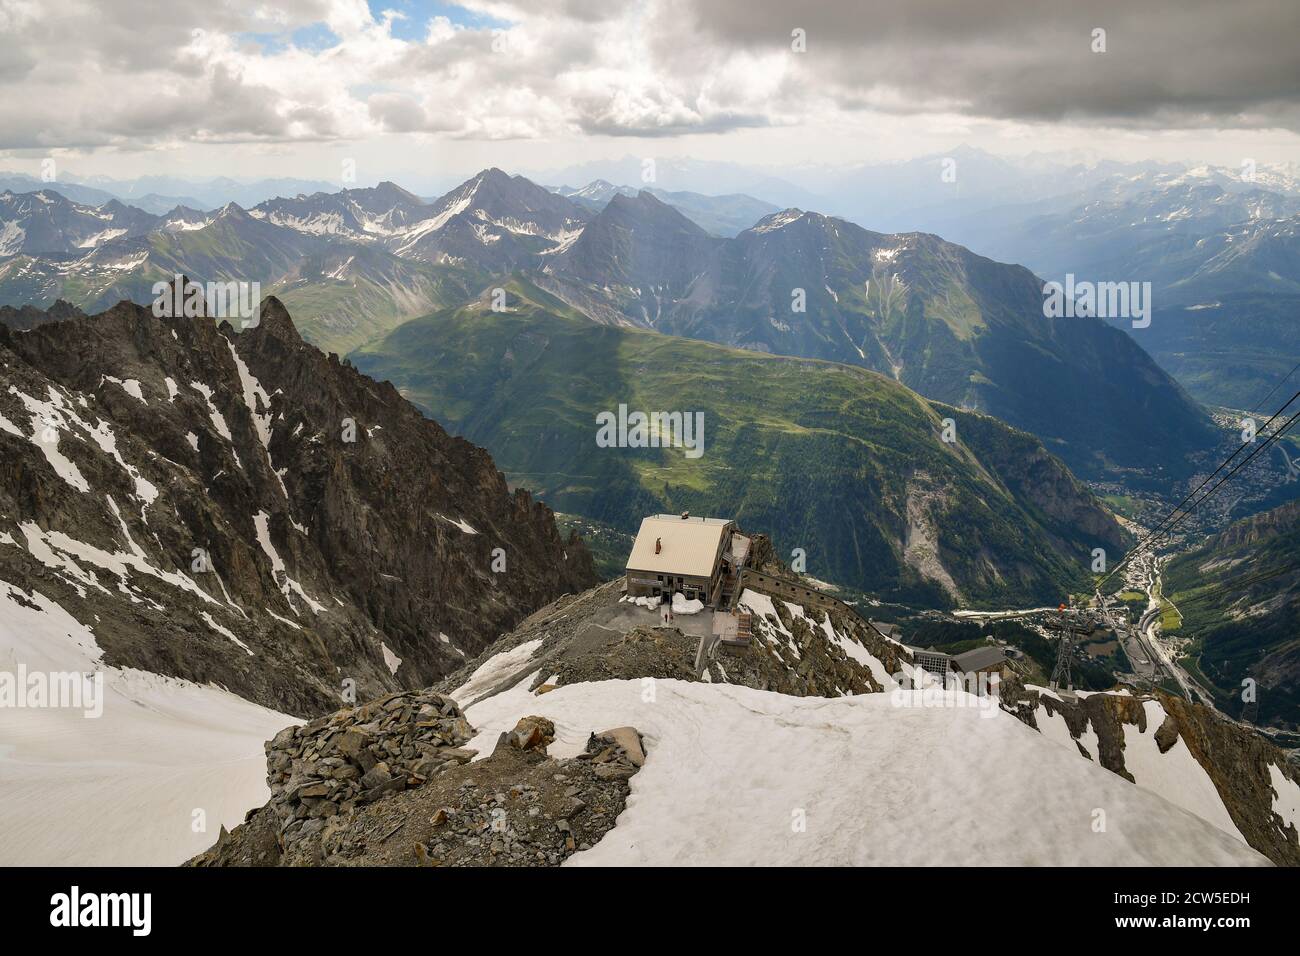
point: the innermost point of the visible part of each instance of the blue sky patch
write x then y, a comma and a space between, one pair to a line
418, 13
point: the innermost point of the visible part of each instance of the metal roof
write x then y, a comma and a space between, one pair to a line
978, 658
689, 546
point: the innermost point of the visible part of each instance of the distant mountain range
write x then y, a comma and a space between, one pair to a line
1188, 237
1223, 260
157, 194
952, 325
966, 194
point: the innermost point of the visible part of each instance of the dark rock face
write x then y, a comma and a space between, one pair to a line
238, 508
28, 316
639, 241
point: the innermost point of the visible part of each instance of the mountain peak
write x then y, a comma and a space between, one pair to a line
647, 209
232, 210
778, 220
274, 320
389, 190
493, 174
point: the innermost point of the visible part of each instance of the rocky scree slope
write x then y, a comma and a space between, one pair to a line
189, 493
388, 784
597, 635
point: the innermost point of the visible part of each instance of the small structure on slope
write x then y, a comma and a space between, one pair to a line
988, 660
698, 557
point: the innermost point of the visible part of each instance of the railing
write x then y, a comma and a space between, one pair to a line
787, 589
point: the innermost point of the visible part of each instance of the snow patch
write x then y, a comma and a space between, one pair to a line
1174, 775
120, 789
390, 659
493, 671
262, 525
1286, 797
820, 760
207, 618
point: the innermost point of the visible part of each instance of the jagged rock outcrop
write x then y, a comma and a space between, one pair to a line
29, 316
1242, 766
239, 508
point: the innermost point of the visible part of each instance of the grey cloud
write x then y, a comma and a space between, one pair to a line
399, 113
1168, 62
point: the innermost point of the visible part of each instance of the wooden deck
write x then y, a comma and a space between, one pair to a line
733, 629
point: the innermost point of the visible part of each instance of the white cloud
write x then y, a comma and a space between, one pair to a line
139, 74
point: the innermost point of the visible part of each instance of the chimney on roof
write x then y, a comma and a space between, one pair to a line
659, 545
685, 515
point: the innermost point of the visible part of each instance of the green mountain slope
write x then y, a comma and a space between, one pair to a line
349, 294
839, 461
1239, 596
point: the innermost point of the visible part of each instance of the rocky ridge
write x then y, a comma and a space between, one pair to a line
242, 509
597, 635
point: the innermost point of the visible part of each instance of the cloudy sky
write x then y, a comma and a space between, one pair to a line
413, 88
